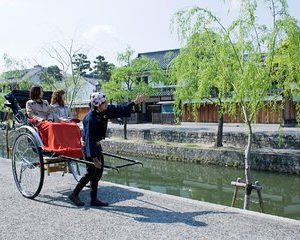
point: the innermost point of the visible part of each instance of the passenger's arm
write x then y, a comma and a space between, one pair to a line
50, 112
70, 114
54, 113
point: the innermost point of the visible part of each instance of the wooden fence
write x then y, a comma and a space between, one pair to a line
272, 115
209, 113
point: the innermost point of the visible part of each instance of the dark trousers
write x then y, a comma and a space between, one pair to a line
93, 175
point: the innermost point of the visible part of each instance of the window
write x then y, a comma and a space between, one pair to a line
167, 108
145, 79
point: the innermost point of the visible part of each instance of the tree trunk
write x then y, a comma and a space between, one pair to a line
219, 142
247, 168
282, 115
125, 128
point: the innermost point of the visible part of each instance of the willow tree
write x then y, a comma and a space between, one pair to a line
127, 80
201, 73
248, 69
286, 67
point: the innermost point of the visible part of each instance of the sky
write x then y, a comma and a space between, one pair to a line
30, 28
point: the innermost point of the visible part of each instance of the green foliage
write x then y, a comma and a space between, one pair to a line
286, 67
248, 60
52, 78
81, 64
239, 60
102, 69
127, 80
298, 111
280, 137
4, 89
15, 76
14, 69
201, 70
25, 84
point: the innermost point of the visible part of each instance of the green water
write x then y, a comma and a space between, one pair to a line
281, 192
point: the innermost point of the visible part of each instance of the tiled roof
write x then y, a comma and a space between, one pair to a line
163, 93
163, 57
32, 74
93, 81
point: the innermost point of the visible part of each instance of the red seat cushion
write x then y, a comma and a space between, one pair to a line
62, 138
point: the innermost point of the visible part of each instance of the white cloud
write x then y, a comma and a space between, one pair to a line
104, 40
9, 3
234, 5
95, 31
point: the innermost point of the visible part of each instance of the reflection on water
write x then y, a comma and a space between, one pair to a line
281, 192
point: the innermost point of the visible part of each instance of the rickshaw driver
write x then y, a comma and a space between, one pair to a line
94, 130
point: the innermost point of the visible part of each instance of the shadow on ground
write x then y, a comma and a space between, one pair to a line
151, 213
110, 194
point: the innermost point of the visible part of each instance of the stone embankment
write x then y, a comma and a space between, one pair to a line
273, 149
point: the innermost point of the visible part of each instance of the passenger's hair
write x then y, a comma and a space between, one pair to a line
35, 92
57, 97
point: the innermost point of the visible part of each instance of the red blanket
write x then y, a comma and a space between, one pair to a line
62, 138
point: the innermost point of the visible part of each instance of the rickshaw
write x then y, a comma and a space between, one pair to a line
30, 161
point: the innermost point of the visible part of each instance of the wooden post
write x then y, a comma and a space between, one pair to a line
235, 192
241, 184
258, 189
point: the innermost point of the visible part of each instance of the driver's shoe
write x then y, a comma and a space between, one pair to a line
98, 203
76, 200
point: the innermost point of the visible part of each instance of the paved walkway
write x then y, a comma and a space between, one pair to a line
213, 127
133, 214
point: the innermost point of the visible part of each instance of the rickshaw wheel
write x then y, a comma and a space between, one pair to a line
78, 169
27, 165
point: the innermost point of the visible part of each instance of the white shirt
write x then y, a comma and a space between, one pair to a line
61, 113
39, 110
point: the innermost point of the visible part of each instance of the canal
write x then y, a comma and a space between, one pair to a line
281, 192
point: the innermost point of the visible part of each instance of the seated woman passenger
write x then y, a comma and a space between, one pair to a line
61, 138
61, 112
37, 107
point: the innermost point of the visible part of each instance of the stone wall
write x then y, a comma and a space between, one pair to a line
269, 160
268, 140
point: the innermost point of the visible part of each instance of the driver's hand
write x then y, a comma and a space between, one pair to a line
97, 163
139, 99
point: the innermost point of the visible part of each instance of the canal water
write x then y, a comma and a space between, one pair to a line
281, 192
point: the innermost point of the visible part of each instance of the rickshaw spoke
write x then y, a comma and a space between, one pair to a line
27, 163
21, 171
